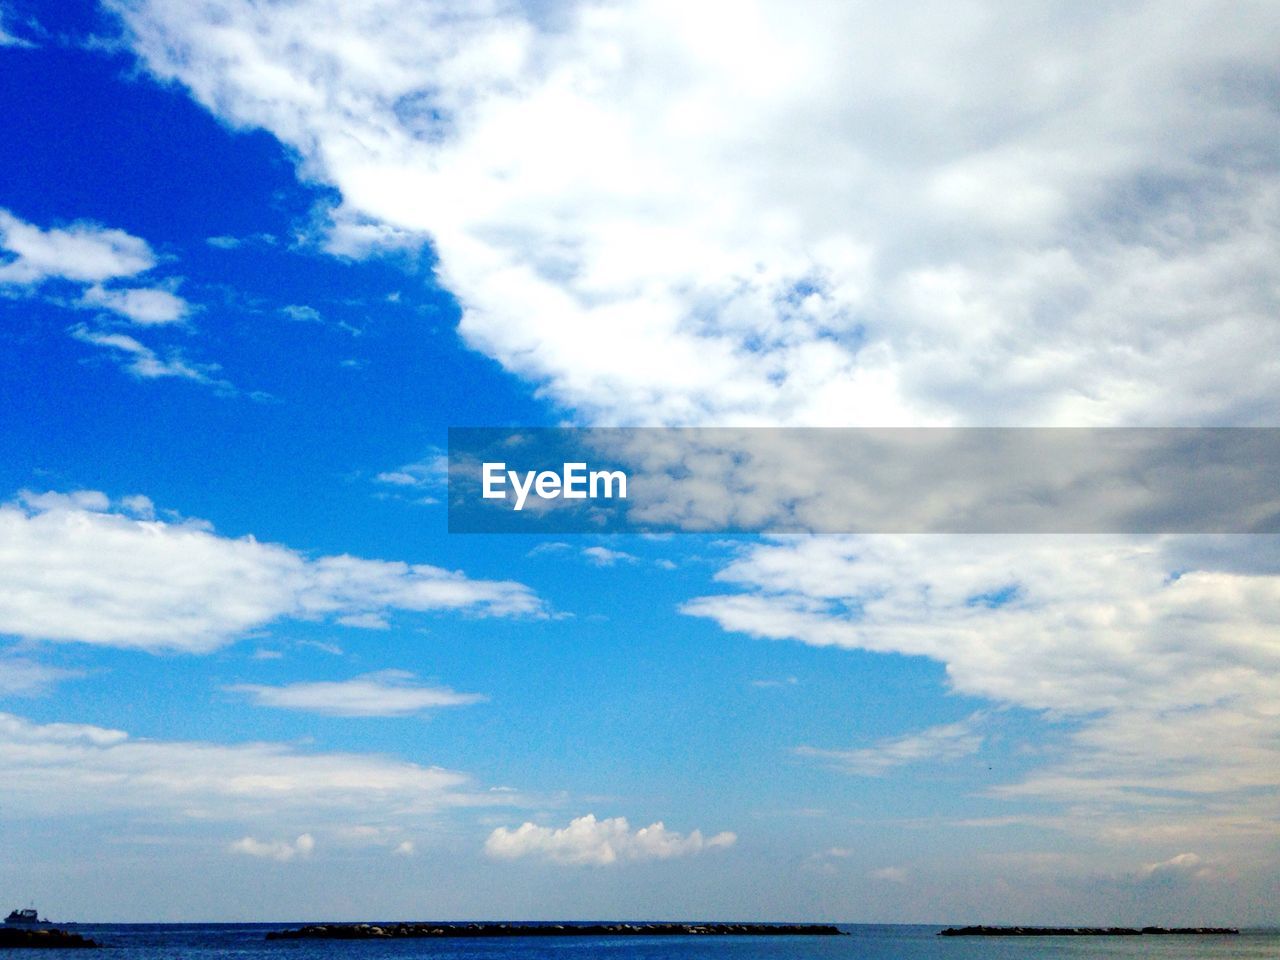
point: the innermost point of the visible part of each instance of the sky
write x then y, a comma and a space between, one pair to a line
257, 257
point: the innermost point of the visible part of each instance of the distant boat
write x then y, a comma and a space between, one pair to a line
26, 918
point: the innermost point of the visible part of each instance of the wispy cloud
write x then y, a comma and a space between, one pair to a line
145, 364
301, 313
7, 39
386, 693
605, 557
944, 742
20, 676
422, 481
891, 874
432, 471
68, 769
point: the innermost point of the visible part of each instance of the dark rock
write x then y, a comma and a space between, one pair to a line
42, 938
364, 931
980, 931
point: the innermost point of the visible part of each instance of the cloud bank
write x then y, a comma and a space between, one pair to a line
1159, 669
813, 213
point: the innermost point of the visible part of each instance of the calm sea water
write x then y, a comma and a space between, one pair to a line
866, 942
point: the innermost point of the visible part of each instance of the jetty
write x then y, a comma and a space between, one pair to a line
1085, 931
385, 931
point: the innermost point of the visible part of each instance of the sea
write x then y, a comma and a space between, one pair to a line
220, 941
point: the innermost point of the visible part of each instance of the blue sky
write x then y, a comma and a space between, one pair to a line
255, 260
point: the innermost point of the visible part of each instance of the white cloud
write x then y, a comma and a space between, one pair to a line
891, 874
405, 848
281, 850
144, 363
1175, 869
387, 693
818, 214
301, 313
22, 677
83, 252
365, 621
604, 557
431, 471
75, 570
423, 482
552, 547
332, 648
9, 40
138, 505
89, 254
825, 861
587, 840
1165, 667
146, 306
233, 243
67, 769
948, 741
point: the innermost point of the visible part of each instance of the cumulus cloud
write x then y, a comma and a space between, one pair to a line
1176, 869
817, 214
83, 252
1165, 669
146, 306
75, 569
386, 693
281, 850
947, 741
588, 841
94, 256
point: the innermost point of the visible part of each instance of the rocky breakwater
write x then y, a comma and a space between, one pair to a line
1081, 931
382, 931
48, 938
